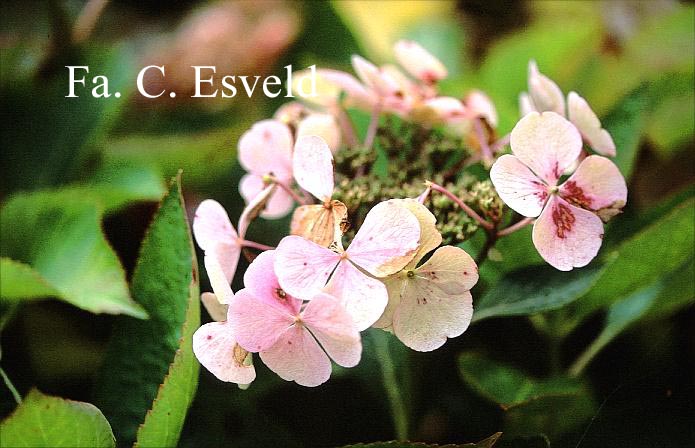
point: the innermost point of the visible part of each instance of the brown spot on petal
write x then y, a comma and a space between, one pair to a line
239, 355
564, 220
429, 77
575, 194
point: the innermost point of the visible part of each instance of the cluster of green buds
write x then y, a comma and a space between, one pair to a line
405, 155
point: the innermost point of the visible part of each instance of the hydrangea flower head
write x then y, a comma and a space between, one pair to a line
569, 230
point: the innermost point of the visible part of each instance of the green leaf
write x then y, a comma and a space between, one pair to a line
163, 422
670, 293
120, 184
626, 122
487, 443
49, 136
643, 110
21, 281
672, 122
511, 253
654, 252
664, 43
535, 289
561, 48
508, 386
143, 355
677, 291
532, 406
58, 235
45, 421
206, 156
537, 441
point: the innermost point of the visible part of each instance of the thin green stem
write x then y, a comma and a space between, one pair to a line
393, 391
10, 386
490, 240
580, 364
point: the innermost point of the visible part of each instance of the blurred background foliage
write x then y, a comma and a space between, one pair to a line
606, 357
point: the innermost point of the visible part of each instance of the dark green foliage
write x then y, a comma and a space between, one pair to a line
141, 352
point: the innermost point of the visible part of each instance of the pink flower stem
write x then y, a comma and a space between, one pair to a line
514, 227
289, 191
482, 139
499, 144
373, 126
469, 211
424, 195
253, 244
346, 126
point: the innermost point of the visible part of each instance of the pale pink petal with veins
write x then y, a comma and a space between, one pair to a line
262, 283
257, 325
566, 236
419, 62
545, 94
267, 148
434, 302
313, 166
211, 225
303, 267
547, 143
596, 184
387, 241
280, 202
217, 350
363, 297
296, 356
334, 328
518, 187
584, 118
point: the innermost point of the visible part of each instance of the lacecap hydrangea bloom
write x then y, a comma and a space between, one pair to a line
367, 249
